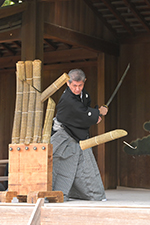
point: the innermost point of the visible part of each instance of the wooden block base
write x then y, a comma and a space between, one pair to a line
32, 197
7, 196
52, 196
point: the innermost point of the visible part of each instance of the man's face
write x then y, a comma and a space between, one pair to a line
76, 87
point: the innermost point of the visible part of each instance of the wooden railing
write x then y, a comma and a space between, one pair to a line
2, 163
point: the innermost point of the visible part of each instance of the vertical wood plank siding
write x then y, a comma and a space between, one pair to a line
134, 110
7, 106
76, 15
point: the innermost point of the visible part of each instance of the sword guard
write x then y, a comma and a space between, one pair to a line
106, 106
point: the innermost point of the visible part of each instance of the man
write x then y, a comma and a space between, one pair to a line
75, 172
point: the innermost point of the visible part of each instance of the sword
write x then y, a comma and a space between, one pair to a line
118, 86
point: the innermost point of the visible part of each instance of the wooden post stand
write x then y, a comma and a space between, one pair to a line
30, 173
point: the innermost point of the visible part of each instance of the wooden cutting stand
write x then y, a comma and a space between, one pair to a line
30, 173
30, 153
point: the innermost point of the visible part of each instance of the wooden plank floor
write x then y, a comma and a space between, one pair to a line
124, 206
95, 215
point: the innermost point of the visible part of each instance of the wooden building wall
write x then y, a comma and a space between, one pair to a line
76, 15
7, 107
133, 112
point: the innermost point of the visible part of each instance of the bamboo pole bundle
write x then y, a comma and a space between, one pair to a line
103, 138
21, 70
31, 114
48, 121
29, 71
24, 112
54, 86
18, 112
37, 74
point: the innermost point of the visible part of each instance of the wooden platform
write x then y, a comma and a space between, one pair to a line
124, 206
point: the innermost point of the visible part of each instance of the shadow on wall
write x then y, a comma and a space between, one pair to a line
142, 145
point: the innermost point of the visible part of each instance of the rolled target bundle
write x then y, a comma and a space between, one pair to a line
103, 138
37, 74
54, 86
24, 119
31, 114
18, 112
29, 71
21, 70
48, 121
38, 119
39, 105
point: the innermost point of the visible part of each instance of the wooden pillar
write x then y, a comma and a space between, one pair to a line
101, 101
32, 31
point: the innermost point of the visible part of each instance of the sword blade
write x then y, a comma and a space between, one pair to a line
118, 85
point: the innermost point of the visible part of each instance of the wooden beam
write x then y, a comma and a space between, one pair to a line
141, 19
147, 2
10, 35
5, 46
3, 178
101, 125
36, 214
32, 31
12, 9
68, 55
100, 16
63, 65
118, 16
4, 161
81, 40
53, 57
70, 65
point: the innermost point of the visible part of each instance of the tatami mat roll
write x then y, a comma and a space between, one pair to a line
24, 112
54, 86
37, 74
38, 119
29, 72
103, 138
48, 121
20, 66
18, 112
31, 114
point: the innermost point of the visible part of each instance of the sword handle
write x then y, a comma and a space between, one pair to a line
105, 107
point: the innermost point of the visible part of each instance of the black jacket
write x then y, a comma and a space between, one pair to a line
76, 115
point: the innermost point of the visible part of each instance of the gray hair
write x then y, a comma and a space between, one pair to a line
76, 75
